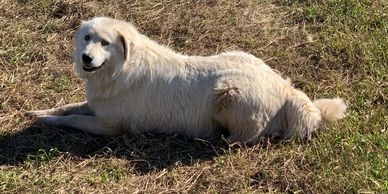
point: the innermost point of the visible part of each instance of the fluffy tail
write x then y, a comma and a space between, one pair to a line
331, 110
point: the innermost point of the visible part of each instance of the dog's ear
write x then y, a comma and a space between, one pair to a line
125, 42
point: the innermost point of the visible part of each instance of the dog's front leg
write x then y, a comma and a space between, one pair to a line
81, 108
89, 124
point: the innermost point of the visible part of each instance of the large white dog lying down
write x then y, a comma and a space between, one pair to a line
134, 84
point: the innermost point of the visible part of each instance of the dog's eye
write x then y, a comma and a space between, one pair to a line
104, 42
87, 37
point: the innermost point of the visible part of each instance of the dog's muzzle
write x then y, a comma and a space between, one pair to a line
88, 68
87, 63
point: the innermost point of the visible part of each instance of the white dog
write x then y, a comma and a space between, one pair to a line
134, 84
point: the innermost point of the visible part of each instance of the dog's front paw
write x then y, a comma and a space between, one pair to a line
42, 117
34, 114
48, 119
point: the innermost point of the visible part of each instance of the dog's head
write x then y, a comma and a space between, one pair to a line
102, 44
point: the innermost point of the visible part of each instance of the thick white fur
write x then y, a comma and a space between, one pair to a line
145, 86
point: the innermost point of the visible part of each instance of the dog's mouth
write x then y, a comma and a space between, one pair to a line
89, 68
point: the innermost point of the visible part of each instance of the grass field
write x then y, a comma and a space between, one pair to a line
328, 48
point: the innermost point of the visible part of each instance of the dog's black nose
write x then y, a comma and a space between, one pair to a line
86, 59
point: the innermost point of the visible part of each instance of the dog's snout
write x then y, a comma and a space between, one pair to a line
86, 59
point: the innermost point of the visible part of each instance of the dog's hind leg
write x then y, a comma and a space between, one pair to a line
235, 112
89, 124
81, 108
302, 118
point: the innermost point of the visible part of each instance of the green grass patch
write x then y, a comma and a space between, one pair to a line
351, 37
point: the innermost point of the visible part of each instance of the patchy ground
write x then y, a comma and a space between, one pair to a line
327, 48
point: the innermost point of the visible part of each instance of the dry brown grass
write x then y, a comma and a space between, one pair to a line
36, 72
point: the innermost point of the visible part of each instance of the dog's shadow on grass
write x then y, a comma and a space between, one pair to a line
147, 152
